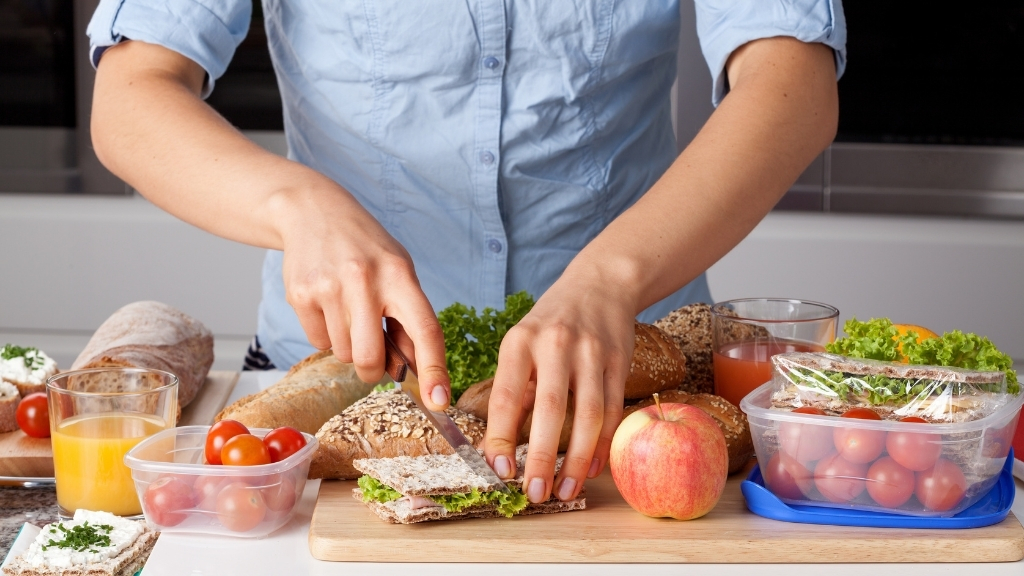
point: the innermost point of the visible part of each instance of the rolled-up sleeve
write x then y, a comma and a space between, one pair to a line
205, 31
725, 25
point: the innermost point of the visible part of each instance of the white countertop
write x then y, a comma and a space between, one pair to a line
286, 551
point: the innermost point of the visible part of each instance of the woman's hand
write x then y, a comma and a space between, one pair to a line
342, 273
579, 337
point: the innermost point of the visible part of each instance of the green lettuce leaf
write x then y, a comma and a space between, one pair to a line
374, 491
963, 350
876, 339
507, 504
471, 341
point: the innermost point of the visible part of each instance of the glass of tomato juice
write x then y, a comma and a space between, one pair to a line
746, 333
96, 416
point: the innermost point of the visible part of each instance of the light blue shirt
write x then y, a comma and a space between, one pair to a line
493, 139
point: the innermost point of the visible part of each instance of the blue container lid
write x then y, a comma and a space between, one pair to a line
991, 509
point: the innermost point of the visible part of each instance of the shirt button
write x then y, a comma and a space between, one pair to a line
494, 245
491, 62
486, 157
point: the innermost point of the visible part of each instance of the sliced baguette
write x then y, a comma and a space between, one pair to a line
313, 391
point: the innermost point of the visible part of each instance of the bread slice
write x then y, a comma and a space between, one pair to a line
382, 425
9, 399
127, 563
313, 391
153, 335
437, 475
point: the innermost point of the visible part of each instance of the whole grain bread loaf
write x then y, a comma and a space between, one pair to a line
657, 364
153, 335
314, 390
382, 425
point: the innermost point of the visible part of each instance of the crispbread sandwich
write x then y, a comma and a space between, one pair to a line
410, 489
91, 544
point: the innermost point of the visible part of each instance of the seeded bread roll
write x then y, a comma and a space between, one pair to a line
475, 399
730, 419
153, 335
9, 399
382, 425
313, 391
690, 328
657, 365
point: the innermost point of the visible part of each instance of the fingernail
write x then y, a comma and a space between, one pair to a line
502, 467
567, 488
439, 396
536, 492
595, 467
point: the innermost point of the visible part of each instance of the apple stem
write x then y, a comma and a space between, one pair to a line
657, 402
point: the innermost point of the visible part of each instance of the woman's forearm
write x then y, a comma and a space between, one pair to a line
782, 110
150, 128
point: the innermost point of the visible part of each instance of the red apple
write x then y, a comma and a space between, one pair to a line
670, 461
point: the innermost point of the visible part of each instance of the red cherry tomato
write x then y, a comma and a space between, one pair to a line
165, 499
218, 435
838, 479
912, 450
283, 442
787, 478
856, 444
33, 416
279, 493
942, 486
889, 483
240, 507
805, 442
207, 488
244, 450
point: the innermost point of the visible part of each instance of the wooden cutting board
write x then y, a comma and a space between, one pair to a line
21, 455
609, 531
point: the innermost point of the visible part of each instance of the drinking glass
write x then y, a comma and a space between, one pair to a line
746, 333
96, 416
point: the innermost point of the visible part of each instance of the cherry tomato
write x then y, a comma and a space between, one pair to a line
787, 478
942, 486
998, 441
218, 435
244, 450
206, 490
283, 442
889, 483
33, 415
913, 450
165, 499
279, 493
856, 444
805, 442
838, 479
240, 507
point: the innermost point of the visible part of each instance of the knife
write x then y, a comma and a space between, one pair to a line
397, 366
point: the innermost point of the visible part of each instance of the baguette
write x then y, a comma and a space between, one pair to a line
382, 425
153, 335
314, 390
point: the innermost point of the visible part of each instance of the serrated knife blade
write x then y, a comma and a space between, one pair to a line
397, 366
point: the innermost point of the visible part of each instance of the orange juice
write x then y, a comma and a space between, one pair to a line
743, 366
88, 461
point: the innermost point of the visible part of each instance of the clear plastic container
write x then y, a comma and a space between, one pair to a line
957, 462
179, 493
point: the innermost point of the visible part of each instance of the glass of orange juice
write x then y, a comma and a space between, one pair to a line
746, 333
96, 416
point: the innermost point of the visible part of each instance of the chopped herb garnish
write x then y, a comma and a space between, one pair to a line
32, 357
81, 538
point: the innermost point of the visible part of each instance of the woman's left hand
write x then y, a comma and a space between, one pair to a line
579, 337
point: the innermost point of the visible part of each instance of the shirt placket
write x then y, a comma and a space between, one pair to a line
493, 244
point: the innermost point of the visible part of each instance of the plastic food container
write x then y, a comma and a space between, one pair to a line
798, 457
179, 493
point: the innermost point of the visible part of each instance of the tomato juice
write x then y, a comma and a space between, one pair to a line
740, 367
88, 461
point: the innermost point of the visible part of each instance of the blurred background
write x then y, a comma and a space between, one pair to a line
916, 212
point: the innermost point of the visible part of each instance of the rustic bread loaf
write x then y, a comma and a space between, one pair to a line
475, 399
153, 335
729, 418
382, 425
314, 390
9, 399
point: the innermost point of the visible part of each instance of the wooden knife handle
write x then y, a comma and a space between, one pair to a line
395, 363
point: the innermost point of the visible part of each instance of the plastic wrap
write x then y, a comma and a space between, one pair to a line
893, 390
